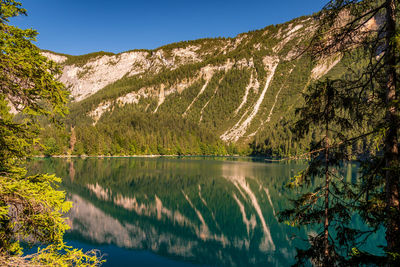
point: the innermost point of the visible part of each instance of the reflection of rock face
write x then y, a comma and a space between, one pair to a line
158, 211
222, 217
219, 213
152, 210
238, 169
204, 231
100, 193
237, 175
94, 224
251, 223
110, 231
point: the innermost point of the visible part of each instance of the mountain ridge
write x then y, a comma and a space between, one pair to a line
233, 88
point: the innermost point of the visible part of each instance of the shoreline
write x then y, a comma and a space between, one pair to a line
261, 158
139, 156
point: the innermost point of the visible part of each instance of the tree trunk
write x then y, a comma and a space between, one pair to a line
326, 222
72, 140
391, 138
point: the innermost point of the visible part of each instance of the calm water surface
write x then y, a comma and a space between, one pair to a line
180, 212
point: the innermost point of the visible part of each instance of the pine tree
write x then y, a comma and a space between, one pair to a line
31, 208
326, 109
369, 28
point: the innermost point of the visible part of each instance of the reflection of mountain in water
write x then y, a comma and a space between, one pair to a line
209, 212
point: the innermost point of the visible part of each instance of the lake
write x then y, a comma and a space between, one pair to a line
181, 211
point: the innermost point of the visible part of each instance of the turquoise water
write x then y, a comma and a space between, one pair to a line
181, 212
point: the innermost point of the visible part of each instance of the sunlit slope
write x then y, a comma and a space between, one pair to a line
182, 97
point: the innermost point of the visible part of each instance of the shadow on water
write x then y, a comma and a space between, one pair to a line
181, 211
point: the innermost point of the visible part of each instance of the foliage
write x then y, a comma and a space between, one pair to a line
369, 104
329, 108
30, 206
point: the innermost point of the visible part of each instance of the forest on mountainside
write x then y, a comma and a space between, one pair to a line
193, 120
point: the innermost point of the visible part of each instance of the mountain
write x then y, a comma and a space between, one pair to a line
207, 96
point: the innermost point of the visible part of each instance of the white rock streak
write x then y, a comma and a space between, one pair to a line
204, 107
207, 73
324, 66
240, 128
294, 29
276, 100
161, 97
98, 112
197, 96
273, 106
253, 83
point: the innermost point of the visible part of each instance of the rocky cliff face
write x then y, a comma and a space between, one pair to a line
236, 87
86, 79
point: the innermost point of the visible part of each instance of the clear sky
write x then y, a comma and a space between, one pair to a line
82, 26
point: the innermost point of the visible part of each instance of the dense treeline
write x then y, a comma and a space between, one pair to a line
129, 132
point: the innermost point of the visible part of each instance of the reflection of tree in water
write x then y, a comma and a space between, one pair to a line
71, 170
210, 212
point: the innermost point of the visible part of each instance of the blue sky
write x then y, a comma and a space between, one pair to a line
82, 26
